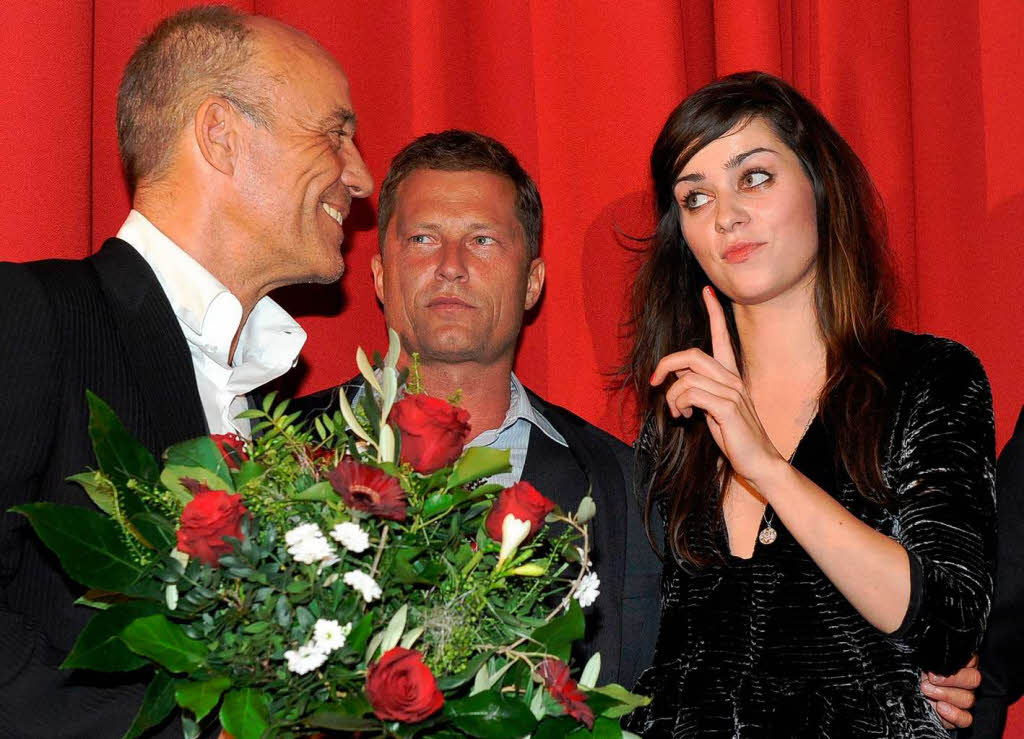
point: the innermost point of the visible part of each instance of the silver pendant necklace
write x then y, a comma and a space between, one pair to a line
768, 534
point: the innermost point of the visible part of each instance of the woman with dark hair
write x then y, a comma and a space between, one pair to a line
825, 480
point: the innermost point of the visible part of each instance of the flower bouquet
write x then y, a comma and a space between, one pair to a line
351, 574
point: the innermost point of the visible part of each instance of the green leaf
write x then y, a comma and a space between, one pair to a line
436, 503
556, 637
477, 462
201, 452
624, 700
245, 714
394, 629
360, 633
90, 547
99, 489
320, 491
606, 728
173, 474
157, 705
201, 696
248, 472
591, 671
340, 721
99, 646
490, 714
165, 643
447, 682
155, 530
120, 456
556, 727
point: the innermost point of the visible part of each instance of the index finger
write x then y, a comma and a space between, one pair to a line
721, 343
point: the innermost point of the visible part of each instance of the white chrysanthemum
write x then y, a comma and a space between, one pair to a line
308, 544
365, 584
351, 536
588, 590
329, 635
305, 659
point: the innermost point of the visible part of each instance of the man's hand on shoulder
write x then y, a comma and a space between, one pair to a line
952, 697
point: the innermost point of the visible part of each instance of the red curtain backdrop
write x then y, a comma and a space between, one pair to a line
928, 93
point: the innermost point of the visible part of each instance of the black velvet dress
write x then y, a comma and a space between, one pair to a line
768, 647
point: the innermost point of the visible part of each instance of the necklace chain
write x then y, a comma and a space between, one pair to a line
768, 534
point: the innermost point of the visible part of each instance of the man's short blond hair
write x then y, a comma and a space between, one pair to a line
189, 56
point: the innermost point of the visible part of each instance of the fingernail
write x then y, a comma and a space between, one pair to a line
928, 689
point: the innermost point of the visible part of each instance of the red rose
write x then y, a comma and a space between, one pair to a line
232, 446
565, 690
401, 688
524, 502
207, 519
433, 431
368, 489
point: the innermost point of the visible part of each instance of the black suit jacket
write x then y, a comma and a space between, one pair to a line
102, 324
1001, 658
623, 623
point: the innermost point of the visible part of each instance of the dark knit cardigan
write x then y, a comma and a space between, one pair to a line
768, 647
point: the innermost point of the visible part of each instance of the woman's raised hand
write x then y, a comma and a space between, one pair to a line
713, 385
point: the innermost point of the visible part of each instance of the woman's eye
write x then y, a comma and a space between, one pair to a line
755, 179
695, 200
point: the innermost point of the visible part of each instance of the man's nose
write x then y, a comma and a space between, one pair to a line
355, 174
451, 264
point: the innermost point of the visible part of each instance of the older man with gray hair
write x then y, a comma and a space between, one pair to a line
236, 133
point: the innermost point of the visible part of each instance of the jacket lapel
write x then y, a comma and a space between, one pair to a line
156, 349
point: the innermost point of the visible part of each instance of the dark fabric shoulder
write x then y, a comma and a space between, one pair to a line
912, 357
564, 418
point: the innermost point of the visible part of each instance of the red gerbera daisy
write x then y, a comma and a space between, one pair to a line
368, 489
565, 690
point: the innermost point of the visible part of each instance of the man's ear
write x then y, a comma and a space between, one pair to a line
217, 134
377, 267
534, 283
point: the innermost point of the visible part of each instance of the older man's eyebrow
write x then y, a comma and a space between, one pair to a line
341, 118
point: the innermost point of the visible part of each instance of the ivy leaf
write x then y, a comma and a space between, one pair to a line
157, 705
165, 643
99, 646
490, 714
119, 454
201, 696
90, 547
245, 714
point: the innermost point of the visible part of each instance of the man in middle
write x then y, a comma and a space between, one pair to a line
459, 224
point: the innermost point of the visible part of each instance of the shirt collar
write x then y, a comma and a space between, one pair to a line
520, 407
209, 314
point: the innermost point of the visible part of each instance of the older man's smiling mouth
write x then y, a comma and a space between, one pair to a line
334, 213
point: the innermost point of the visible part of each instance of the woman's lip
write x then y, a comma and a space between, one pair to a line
741, 251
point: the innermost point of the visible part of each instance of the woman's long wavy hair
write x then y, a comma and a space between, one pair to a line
853, 296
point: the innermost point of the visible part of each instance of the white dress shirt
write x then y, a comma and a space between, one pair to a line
209, 316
